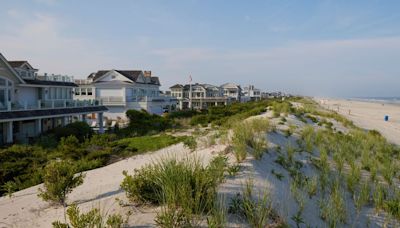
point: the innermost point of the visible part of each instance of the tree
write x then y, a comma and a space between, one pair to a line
59, 180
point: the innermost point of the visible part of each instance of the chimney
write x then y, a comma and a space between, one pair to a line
147, 73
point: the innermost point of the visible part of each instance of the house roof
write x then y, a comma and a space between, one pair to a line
176, 86
130, 74
26, 114
51, 83
19, 63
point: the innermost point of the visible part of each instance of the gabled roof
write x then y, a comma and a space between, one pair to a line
11, 68
176, 86
19, 63
132, 75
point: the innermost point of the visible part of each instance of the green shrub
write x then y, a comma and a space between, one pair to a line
93, 219
182, 184
202, 120
81, 130
141, 123
21, 166
190, 143
59, 180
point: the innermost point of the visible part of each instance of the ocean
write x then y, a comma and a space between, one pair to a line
386, 100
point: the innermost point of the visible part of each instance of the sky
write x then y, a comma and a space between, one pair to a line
333, 48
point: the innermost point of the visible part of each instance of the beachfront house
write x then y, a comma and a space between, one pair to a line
31, 104
122, 90
250, 93
232, 91
198, 96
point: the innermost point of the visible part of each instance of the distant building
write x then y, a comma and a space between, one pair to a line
31, 104
232, 91
250, 93
122, 90
201, 96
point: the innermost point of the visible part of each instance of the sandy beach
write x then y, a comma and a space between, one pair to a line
368, 115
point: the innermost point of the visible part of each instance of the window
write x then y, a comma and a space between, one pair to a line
77, 91
64, 90
59, 93
5, 92
113, 76
89, 91
83, 91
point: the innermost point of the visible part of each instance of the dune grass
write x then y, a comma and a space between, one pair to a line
185, 188
250, 134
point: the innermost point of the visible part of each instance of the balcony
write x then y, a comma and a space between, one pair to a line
47, 104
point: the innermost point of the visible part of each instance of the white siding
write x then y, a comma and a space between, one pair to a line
109, 93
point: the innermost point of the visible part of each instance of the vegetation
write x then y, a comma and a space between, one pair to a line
250, 134
93, 218
258, 210
23, 165
59, 180
185, 188
142, 123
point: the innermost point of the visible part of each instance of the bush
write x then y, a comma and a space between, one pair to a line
81, 130
59, 180
21, 166
93, 218
141, 123
183, 186
191, 143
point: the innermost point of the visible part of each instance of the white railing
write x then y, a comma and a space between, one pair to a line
112, 100
48, 104
82, 81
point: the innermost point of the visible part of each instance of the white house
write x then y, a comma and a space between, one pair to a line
198, 96
232, 91
251, 93
31, 104
122, 90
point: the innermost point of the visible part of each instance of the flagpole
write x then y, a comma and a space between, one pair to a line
190, 93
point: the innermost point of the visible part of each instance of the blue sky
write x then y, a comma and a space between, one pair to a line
335, 48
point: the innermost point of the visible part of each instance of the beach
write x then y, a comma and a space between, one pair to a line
368, 115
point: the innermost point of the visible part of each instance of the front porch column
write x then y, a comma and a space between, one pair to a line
84, 117
180, 105
100, 120
38, 126
9, 133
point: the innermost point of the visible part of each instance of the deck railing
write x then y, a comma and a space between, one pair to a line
47, 104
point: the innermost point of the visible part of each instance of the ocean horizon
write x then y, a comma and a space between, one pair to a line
391, 100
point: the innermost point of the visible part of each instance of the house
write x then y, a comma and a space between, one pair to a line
122, 90
250, 93
232, 91
198, 96
31, 104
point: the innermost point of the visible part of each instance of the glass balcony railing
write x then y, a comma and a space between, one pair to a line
47, 104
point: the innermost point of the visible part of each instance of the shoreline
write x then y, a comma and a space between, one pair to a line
368, 114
